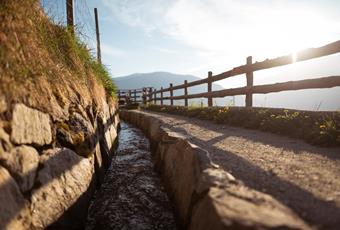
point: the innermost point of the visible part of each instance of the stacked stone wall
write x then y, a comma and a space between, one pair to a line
49, 168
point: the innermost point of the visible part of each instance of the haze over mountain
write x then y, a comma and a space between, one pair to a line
155, 79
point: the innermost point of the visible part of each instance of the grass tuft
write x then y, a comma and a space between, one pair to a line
70, 50
318, 128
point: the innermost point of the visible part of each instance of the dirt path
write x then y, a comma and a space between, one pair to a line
304, 177
131, 196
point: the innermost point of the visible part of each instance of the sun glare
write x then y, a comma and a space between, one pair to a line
294, 54
289, 31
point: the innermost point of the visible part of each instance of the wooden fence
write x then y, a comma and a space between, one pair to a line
128, 96
149, 94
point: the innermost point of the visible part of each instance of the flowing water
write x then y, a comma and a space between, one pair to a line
132, 195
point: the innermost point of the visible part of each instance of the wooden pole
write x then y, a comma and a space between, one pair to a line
69, 15
129, 96
99, 56
144, 96
210, 101
150, 94
185, 93
135, 95
161, 95
250, 82
154, 96
171, 95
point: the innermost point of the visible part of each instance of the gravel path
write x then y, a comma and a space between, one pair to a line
132, 195
304, 177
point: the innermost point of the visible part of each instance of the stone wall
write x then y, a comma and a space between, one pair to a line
204, 196
50, 165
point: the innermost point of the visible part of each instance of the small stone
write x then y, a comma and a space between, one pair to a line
30, 126
14, 210
22, 163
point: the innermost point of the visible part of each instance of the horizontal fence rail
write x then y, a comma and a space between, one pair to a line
149, 94
128, 96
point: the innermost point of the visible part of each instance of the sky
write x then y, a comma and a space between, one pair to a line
197, 36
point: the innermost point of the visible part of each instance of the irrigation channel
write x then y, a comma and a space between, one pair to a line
132, 195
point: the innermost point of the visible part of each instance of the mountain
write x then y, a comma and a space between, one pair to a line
163, 79
155, 79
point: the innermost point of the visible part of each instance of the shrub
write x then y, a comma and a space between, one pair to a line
320, 128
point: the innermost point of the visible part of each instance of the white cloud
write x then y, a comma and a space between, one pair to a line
227, 31
167, 51
112, 51
146, 14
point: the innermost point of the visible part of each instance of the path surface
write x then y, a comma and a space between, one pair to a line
131, 196
303, 177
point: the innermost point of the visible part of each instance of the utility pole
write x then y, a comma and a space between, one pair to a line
99, 56
70, 18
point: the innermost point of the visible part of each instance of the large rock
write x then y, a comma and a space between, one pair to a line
99, 165
110, 136
227, 205
117, 121
108, 120
177, 169
77, 134
30, 126
14, 212
22, 162
64, 177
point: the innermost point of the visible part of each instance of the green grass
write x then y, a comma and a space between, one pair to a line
71, 51
319, 128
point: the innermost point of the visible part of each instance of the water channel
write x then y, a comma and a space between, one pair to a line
132, 195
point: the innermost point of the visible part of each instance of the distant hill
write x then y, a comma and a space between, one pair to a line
155, 79
163, 79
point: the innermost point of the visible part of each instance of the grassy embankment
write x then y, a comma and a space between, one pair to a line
42, 64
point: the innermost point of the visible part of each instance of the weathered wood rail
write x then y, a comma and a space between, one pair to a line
149, 94
131, 96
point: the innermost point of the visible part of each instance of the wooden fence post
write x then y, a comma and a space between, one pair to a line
129, 96
185, 93
69, 15
135, 95
150, 94
161, 95
171, 95
250, 82
99, 56
154, 96
210, 101
144, 96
